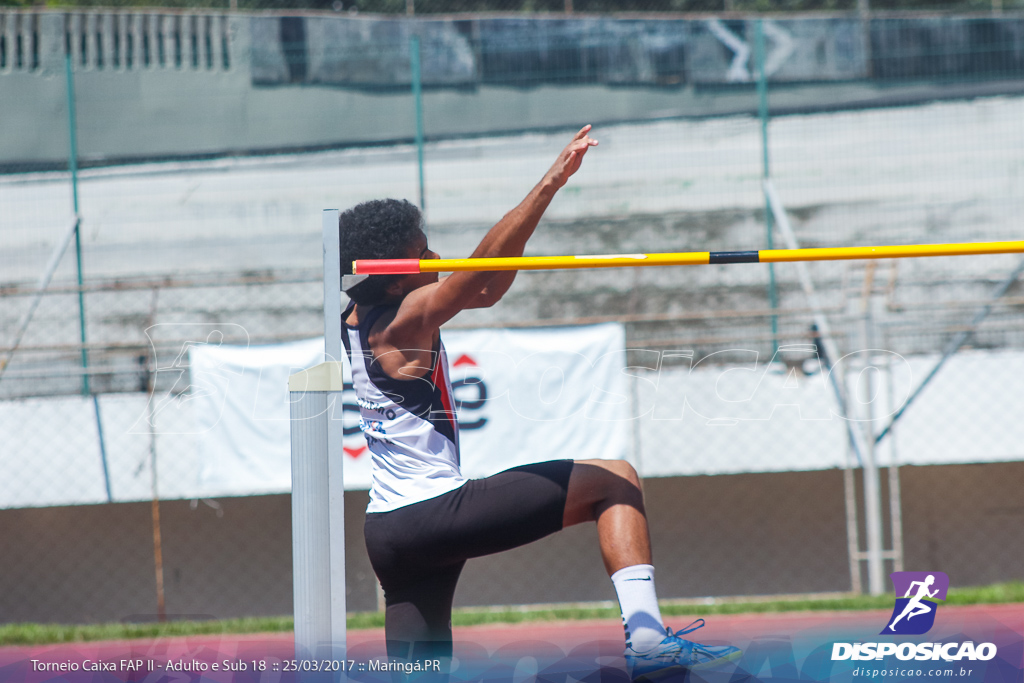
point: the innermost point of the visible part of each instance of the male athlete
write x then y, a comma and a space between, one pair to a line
425, 519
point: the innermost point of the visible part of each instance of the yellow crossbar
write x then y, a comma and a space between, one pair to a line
695, 258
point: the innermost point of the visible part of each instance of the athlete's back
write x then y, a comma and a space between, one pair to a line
409, 423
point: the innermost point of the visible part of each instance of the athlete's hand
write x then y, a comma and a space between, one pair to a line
568, 162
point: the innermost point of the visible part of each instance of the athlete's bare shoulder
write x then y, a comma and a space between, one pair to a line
404, 353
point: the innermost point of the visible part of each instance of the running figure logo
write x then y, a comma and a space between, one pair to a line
914, 613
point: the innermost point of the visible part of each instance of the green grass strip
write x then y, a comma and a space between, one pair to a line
41, 634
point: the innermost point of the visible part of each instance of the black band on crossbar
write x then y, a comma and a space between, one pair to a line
734, 257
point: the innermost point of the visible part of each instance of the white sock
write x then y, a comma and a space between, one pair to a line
639, 604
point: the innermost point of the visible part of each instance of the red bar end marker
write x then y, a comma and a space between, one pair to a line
397, 266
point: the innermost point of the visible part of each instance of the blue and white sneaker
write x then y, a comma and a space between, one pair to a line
675, 654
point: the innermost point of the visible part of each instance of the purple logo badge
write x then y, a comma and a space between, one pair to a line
915, 608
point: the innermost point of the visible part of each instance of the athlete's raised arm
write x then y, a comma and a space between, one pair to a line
430, 306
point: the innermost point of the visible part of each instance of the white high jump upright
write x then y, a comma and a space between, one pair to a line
318, 491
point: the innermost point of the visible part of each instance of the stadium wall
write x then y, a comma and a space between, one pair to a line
746, 534
166, 84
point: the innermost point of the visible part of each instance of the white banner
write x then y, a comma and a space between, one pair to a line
522, 396
240, 402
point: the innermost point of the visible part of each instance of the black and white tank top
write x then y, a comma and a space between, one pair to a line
410, 424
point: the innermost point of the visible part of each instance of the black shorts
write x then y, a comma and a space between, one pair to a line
418, 551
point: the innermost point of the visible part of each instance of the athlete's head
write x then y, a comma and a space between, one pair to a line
930, 580
379, 229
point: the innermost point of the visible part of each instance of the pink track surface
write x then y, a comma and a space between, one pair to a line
603, 637
739, 629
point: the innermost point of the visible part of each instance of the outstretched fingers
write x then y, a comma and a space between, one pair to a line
582, 141
583, 132
571, 158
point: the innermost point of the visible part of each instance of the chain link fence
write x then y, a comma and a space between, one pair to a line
209, 143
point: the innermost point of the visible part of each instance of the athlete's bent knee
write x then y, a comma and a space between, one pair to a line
623, 471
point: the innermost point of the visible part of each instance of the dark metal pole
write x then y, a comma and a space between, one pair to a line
73, 164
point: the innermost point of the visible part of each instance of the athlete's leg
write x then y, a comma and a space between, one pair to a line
608, 492
418, 551
417, 620
418, 587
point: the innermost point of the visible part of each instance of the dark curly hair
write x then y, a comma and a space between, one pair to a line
382, 228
